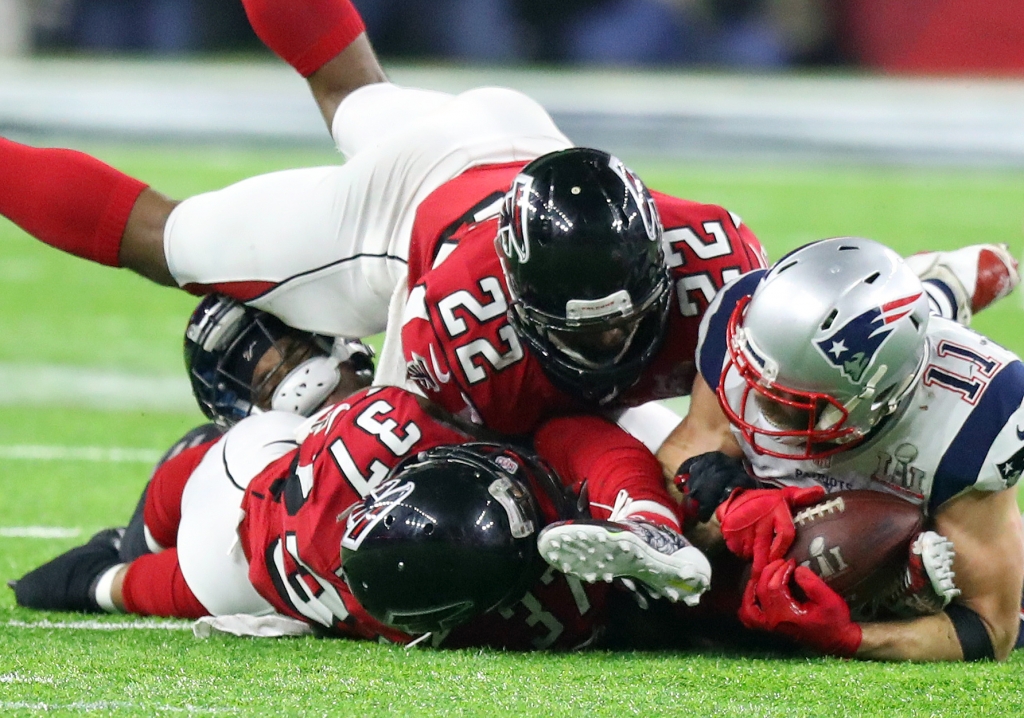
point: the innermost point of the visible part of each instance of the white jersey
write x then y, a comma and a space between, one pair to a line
961, 429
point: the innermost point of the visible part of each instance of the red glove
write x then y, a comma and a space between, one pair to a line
822, 621
757, 524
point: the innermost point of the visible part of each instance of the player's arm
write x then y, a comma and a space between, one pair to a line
324, 40
982, 623
985, 528
592, 451
704, 428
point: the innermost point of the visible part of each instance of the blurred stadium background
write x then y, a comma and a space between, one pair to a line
879, 81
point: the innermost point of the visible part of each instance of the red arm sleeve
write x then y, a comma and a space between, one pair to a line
594, 451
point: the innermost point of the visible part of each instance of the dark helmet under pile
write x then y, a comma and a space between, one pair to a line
225, 341
450, 534
581, 246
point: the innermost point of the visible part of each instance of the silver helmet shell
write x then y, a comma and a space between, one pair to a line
831, 341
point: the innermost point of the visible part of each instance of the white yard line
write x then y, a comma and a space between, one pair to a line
113, 454
39, 532
19, 678
148, 625
66, 386
107, 706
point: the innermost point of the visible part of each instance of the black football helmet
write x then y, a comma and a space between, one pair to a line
224, 343
580, 242
449, 534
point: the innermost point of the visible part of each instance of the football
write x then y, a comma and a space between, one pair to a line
857, 541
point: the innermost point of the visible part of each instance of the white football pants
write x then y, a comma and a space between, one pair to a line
333, 242
209, 552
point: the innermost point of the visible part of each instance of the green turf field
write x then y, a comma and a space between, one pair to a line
57, 472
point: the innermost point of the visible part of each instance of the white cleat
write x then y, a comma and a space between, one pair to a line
662, 560
962, 282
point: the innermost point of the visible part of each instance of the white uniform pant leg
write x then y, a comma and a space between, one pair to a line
370, 115
325, 248
210, 556
302, 235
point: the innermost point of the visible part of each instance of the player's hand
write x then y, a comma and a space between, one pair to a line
757, 524
706, 480
820, 621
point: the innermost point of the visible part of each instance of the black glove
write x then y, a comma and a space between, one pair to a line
707, 480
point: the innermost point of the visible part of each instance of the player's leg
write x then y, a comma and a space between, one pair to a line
84, 578
161, 499
80, 205
310, 246
69, 581
962, 282
633, 529
211, 559
153, 585
324, 40
203, 571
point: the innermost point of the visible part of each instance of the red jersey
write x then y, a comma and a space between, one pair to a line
291, 532
459, 346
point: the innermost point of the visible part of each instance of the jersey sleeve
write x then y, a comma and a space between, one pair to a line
987, 453
711, 341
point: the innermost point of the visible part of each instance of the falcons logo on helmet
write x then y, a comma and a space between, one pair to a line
516, 243
374, 508
853, 346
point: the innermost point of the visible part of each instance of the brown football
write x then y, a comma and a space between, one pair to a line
857, 541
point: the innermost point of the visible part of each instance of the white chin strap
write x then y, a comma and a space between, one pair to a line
307, 386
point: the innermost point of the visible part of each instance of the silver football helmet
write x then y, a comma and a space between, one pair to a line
830, 342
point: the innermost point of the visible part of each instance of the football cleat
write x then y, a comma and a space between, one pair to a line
662, 560
962, 282
66, 583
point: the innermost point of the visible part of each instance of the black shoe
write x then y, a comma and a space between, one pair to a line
66, 583
108, 537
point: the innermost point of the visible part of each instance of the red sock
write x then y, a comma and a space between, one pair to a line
155, 586
305, 33
67, 199
162, 512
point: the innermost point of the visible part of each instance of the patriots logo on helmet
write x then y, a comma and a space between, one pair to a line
853, 346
